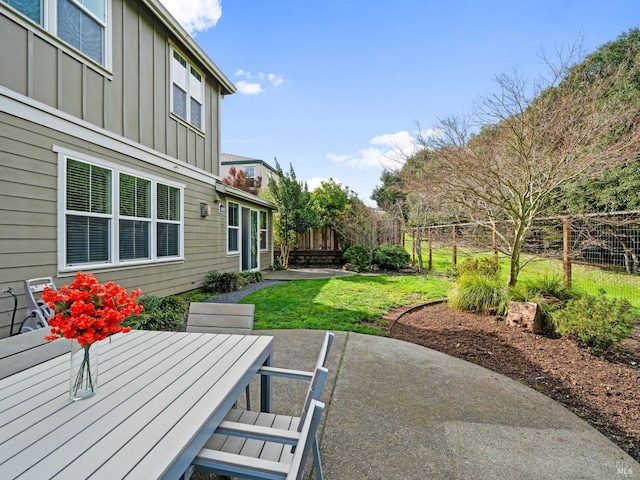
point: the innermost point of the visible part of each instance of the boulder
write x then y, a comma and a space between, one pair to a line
525, 315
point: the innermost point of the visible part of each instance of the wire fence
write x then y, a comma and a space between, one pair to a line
591, 252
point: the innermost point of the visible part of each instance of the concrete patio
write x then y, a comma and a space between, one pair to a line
401, 411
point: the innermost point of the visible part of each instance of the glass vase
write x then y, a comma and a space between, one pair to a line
84, 371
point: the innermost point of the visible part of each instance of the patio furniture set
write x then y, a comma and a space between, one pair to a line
167, 405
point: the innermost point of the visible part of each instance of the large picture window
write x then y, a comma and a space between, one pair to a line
114, 217
187, 91
82, 24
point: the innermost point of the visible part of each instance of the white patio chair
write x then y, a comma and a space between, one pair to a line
237, 433
288, 464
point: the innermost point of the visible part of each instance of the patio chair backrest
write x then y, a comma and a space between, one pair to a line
229, 318
313, 392
308, 432
319, 377
324, 350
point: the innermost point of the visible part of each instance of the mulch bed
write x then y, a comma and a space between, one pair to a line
603, 391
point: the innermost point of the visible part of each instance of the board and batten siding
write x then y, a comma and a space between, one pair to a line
28, 218
134, 101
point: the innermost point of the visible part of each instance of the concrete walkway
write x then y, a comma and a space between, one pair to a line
402, 411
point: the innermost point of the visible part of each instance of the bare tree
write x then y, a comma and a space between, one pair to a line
534, 139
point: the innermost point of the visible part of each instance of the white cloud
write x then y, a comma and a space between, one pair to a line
195, 15
249, 88
254, 83
275, 79
387, 151
315, 182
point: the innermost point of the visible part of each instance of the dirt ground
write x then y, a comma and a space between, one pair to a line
603, 391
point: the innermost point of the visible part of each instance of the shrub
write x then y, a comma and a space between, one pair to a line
221, 282
595, 322
548, 292
391, 257
485, 265
197, 295
251, 277
358, 256
452, 272
477, 293
160, 313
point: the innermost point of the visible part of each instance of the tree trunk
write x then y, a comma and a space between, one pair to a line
514, 267
284, 256
514, 263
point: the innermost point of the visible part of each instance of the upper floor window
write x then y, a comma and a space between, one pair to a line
112, 217
250, 172
80, 23
187, 91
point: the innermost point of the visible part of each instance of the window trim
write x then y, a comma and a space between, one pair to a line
188, 67
234, 227
263, 228
48, 32
115, 262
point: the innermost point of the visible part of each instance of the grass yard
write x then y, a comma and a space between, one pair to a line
355, 303
585, 279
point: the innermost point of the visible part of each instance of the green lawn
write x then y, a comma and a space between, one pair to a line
355, 303
585, 279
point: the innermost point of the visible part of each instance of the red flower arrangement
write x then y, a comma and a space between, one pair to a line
89, 311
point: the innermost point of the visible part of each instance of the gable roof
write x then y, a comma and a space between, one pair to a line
172, 24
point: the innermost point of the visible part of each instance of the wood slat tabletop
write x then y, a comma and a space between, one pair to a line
160, 397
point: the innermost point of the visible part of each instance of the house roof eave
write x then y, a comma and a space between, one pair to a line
246, 196
172, 24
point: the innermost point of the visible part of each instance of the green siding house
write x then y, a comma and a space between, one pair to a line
110, 152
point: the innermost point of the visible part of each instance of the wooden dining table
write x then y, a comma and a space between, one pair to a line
160, 397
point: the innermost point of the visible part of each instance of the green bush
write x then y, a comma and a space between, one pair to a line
477, 293
160, 313
251, 277
358, 256
452, 272
485, 265
391, 257
595, 322
221, 282
548, 292
197, 295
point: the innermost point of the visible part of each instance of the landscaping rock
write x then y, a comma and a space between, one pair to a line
526, 315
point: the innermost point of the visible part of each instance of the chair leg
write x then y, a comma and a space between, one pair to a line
248, 395
316, 458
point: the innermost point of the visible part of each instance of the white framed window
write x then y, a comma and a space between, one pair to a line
169, 220
113, 216
264, 243
135, 218
250, 172
81, 24
187, 91
233, 227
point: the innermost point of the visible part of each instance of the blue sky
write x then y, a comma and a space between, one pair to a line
334, 87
